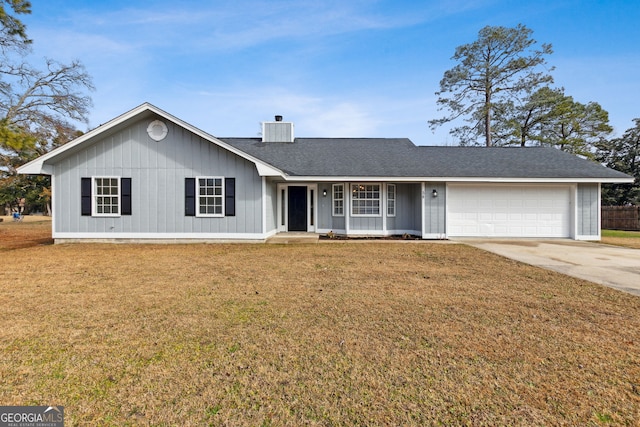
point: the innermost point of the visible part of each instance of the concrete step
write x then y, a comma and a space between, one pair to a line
293, 238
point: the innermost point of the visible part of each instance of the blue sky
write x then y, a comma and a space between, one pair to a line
351, 68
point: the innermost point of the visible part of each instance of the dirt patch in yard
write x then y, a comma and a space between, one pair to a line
345, 334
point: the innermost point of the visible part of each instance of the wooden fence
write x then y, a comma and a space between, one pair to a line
621, 218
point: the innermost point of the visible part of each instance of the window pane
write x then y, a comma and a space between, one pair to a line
338, 200
365, 199
210, 201
106, 199
391, 200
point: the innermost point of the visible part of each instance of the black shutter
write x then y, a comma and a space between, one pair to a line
125, 194
190, 197
85, 196
230, 197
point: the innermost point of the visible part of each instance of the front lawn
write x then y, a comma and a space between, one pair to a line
630, 239
325, 334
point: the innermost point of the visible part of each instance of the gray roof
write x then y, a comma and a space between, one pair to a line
399, 157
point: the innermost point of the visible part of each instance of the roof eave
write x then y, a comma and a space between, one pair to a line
39, 166
34, 167
456, 179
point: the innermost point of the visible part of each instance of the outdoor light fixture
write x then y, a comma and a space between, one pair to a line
324, 193
434, 193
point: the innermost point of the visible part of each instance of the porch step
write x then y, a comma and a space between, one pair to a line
292, 238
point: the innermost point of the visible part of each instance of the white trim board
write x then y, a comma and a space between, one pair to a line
165, 236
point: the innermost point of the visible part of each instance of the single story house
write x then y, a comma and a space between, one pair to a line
147, 175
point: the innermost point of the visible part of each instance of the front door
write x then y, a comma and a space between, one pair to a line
297, 211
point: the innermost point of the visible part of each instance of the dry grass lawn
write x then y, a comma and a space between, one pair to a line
326, 334
630, 239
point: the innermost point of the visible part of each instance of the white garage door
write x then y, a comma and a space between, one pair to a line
508, 211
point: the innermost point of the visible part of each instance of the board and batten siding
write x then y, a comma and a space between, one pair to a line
435, 226
588, 211
158, 170
326, 220
407, 219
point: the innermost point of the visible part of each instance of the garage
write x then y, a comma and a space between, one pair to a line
508, 210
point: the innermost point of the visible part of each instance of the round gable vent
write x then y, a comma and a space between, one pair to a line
157, 130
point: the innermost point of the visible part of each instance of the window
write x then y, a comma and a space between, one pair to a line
365, 199
107, 198
283, 203
210, 196
391, 200
338, 200
311, 207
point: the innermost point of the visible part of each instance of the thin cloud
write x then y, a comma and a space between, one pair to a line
243, 24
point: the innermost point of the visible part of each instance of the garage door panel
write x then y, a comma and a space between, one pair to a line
509, 210
501, 204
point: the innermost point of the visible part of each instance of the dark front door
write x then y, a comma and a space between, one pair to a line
297, 209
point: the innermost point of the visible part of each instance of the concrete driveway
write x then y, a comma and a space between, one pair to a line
607, 265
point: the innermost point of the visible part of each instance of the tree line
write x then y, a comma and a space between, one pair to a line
38, 105
501, 88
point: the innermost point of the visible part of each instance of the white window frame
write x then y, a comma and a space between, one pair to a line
357, 188
312, 210
337, 210
220, 196
391, 200
95, 205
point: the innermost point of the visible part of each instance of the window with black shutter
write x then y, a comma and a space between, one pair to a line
230, 197
210, 196
190, 197
85, 197
105, 196
125, 191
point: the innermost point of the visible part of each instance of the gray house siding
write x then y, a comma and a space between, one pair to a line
366, 223
588, 217
158, 171
406, 220
325, 218
435, 210
338, 223
409, 210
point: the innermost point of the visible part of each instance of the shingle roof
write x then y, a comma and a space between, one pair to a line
399, 157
